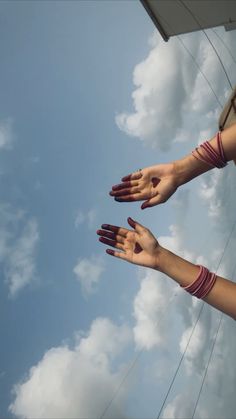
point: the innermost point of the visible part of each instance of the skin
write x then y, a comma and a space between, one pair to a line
155, 185
140, 247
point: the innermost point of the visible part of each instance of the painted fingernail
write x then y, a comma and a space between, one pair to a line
110, 252
105, 226
117, 199
111, 193
131, 221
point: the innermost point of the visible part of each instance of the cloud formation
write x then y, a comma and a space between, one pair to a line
89, 218
19, 237
76, 382
6, 134
172, 101
88, 272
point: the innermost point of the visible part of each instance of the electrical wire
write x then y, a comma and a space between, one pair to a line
198, 317
133, 363
225, 45
203, 30
199, 68
209, 360
193, 59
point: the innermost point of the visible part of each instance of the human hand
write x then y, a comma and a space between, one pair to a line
137, 246
154, 185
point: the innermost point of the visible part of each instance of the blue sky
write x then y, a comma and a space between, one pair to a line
69, 73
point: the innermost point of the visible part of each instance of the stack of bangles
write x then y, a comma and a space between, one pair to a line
206, 153
203, 284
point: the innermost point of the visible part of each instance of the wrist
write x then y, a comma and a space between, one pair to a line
160, 259
188, 168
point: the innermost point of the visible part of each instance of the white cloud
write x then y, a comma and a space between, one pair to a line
18, 241
88, 273
77, 382
6, 135
152, 318
156, 294
181, 407
20, 266
172, 101
89, 218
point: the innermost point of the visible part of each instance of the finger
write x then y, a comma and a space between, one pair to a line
137, 226
125, 192
112, 243
120, 255
129, 198
119, 230
132, 176
124, 185
152, 202
111, 235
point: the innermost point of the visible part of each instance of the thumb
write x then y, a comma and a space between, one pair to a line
137, 226
152, 202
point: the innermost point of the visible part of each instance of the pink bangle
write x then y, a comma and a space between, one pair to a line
203, 284
215, 158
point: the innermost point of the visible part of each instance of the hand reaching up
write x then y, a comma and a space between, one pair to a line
153, 185
137, 246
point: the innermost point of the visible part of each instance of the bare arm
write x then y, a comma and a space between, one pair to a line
140, 247
188, 168
156, 184
223, 294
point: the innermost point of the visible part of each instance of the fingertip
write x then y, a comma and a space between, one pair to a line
131, 222
105, 226
110, 252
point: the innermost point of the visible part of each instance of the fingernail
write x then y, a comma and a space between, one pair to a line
110, 252
131, 221
111, 193
105, 226
117, 199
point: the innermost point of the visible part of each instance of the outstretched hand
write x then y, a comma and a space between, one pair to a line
154, 185
137, 246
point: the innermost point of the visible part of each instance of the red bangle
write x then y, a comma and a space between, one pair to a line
215, 158
203, 284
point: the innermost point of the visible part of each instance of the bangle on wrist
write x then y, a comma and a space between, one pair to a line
203, 284
214, 158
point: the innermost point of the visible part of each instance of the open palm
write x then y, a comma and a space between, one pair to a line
137, 246
154, 185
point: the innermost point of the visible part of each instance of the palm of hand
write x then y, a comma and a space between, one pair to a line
137, 246
154, 184
141, 248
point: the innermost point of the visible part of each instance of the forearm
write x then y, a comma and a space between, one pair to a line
223, 294
189, 167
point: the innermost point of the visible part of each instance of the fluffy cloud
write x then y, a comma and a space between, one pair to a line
89, 218
158, 297
88, 273
18, 242
152, 320
6, 135
76, 382
217, 396
172, 101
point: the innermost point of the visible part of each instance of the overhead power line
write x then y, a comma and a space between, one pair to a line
201, 309
203, 30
